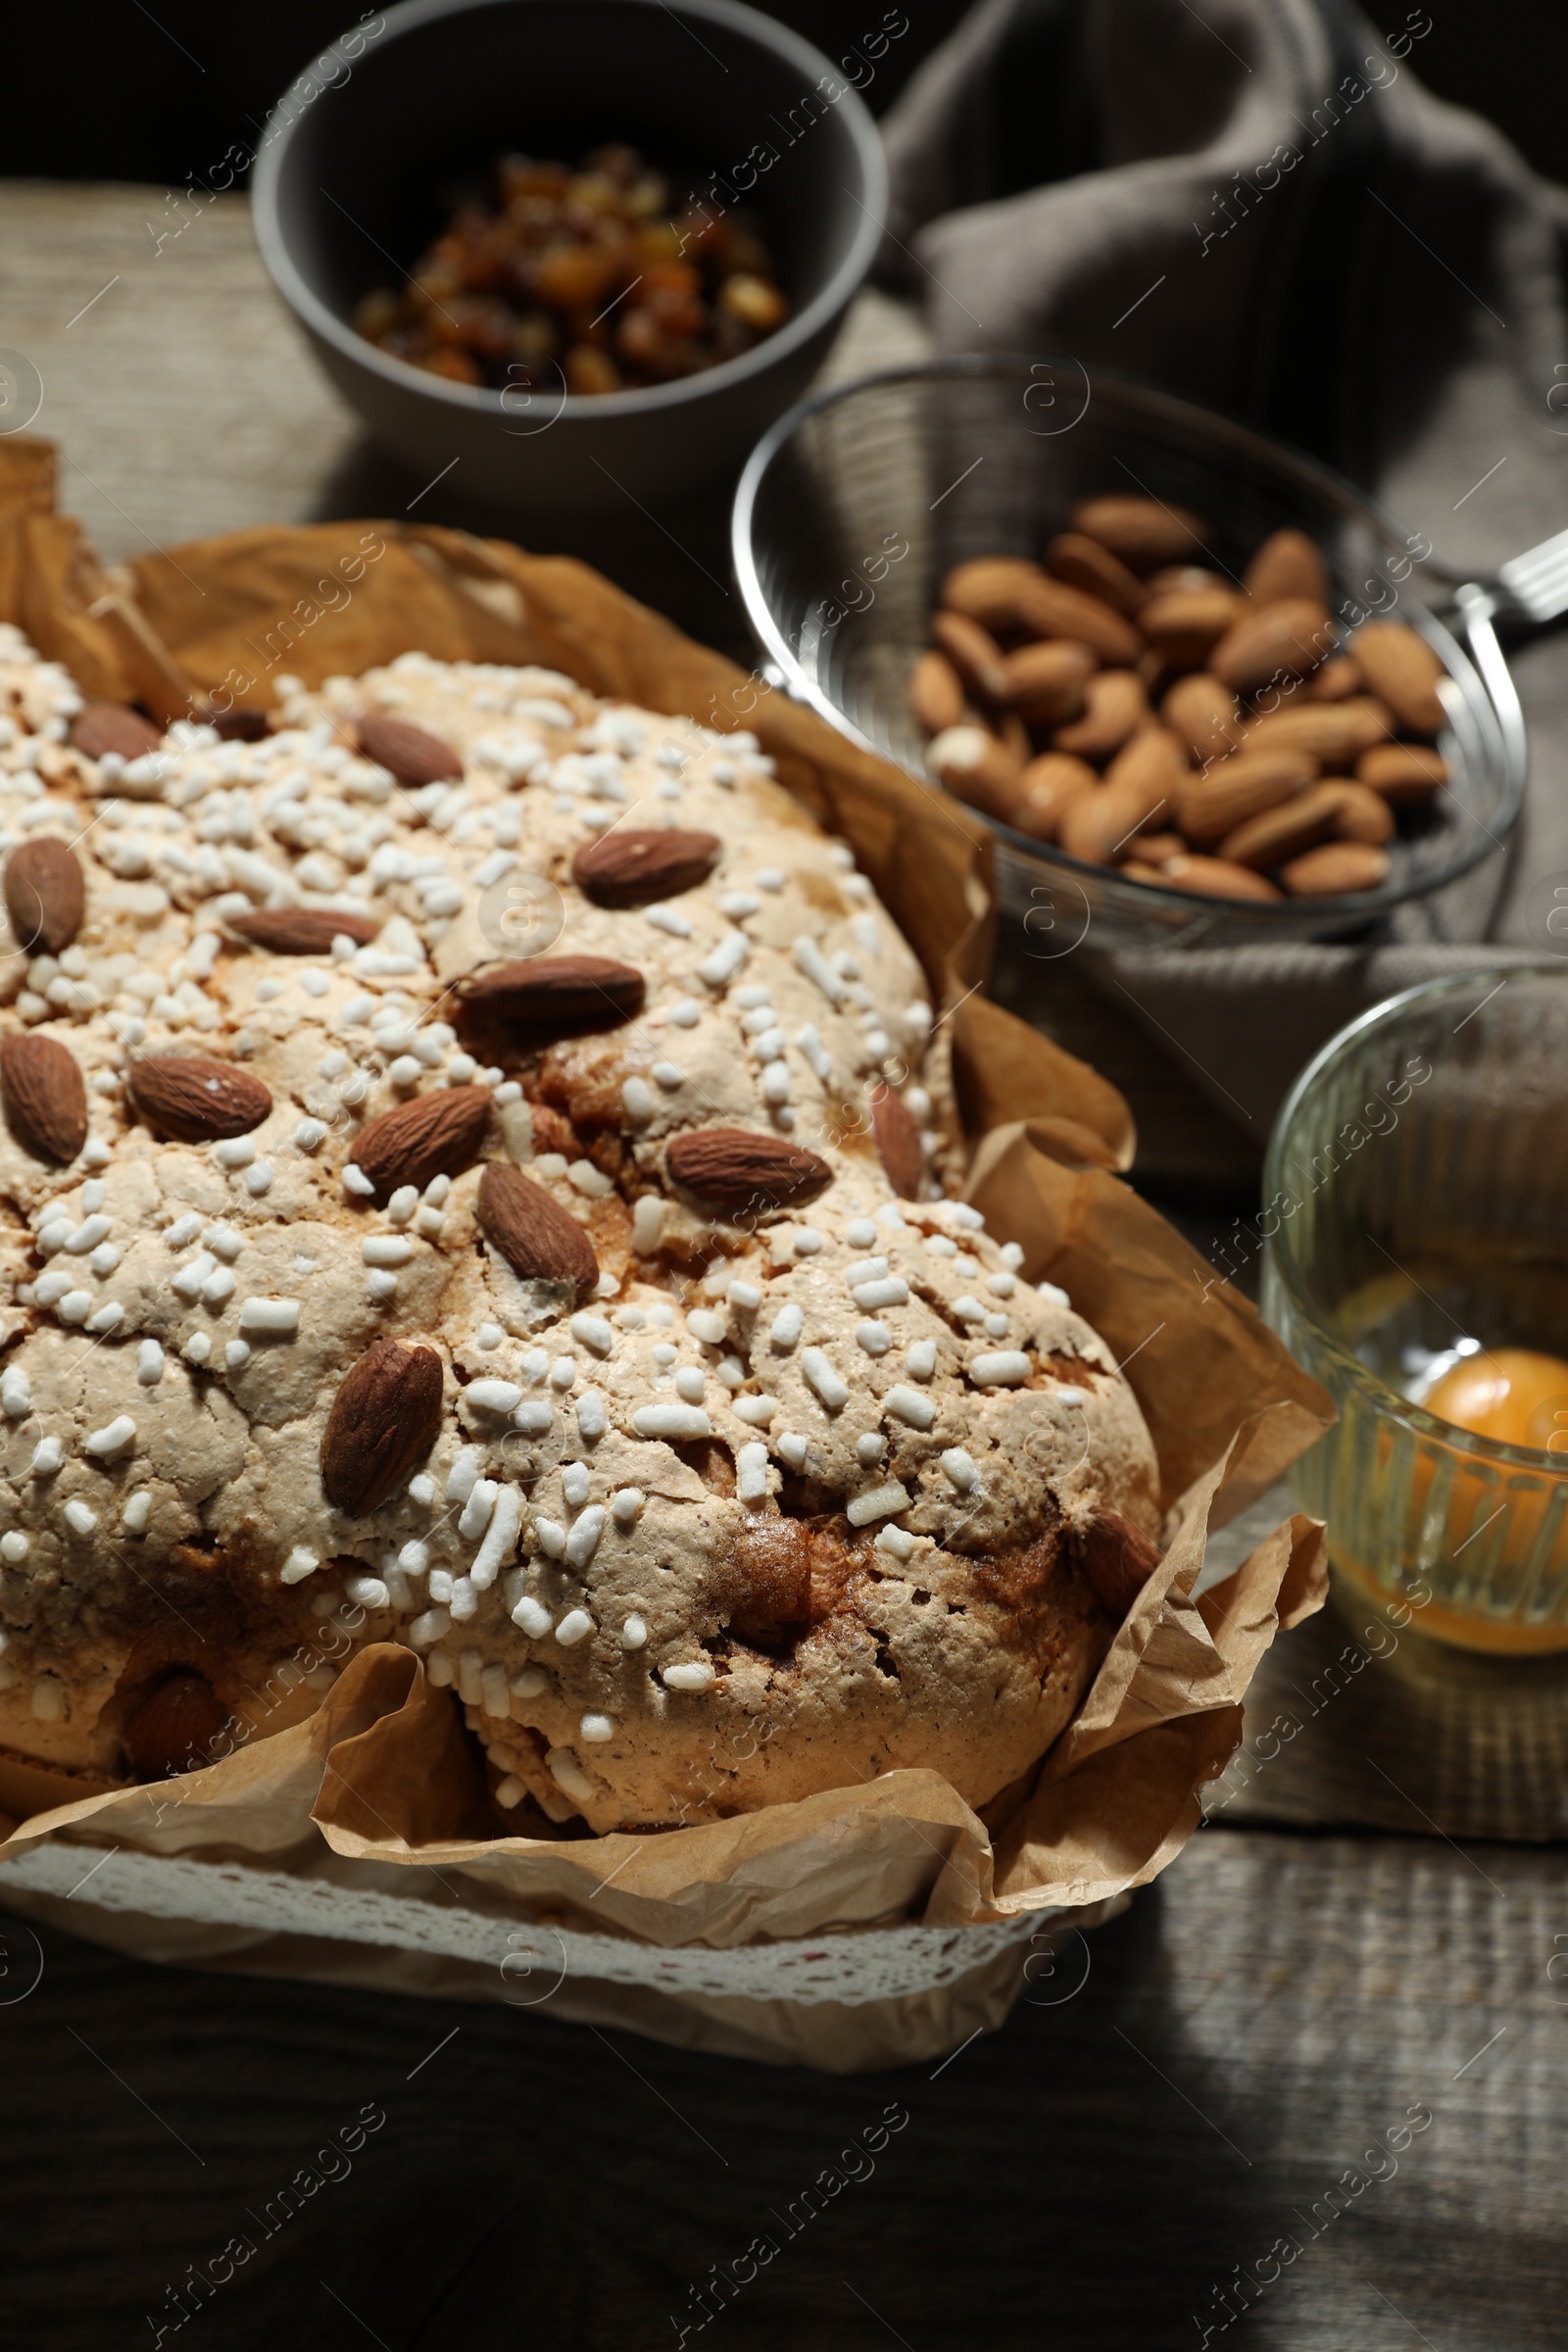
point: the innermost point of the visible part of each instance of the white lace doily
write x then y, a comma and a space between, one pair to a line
866, 1965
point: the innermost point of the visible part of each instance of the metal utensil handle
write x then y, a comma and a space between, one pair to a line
1476, 609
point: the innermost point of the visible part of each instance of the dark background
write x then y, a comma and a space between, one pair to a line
117, 92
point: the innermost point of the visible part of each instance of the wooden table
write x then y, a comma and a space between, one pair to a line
1346, 1950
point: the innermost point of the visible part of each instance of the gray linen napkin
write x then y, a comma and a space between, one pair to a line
1255, 204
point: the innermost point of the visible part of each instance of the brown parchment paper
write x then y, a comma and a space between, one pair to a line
384, 1773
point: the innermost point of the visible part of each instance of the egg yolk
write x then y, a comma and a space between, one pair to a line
1512, 1395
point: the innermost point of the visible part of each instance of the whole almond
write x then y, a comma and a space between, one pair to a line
1285, 832
996, 591
45, 1095
304, 930
194, 1101
1215, 878
1286, 640
434, 1135
46, 895
1143, 781
1118, 1559
1185, 625
1402, 773
1287, 564
936, 693
1337, 733
1084, 563
533, 1002
1340, 676
383, 1422
1153, 849
100, 727
414, 756
1045, 683
1014, 598
1335, 870
973, 653
533, 1233
1057, 611
1041, 794
1233, 790
1186, 580
896, 1133
1402, 667
1204, 715
979, 769
1142, 531
174, 1729
733, 1170
1115, 706
1362, 815
633, 866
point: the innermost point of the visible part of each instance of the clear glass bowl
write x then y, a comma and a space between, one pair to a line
856, 504
1415, 1188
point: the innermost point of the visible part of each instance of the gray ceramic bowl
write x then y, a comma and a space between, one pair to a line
345, 196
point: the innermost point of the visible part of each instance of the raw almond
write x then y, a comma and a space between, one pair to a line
1185, 625
1402, 667
936, 693
1018, 599
973, 653
240, 726
531, 1003
1084, 563
1233, 790
1045, 683
1402, 773
383, 1422
174, 1729
46, 895
634, 867
412, 756
1363, 815
1215, 878
1153, 849
1337, 869
1115, 706
1336, 733
194, 1101
1282, 641
100, 727
1287, 564
304, 930
733, 1170
533, 1233
1341, 675
999, 592
1143, 781
1143, 531
1285, 832
1204, 715
434, 1135
896, 1136
1185, 579
45, 1097
979, 769
1118, 1560
1042, 791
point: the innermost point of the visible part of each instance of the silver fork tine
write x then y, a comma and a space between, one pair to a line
1538, 580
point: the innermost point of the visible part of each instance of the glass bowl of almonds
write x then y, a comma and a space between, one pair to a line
1187, 677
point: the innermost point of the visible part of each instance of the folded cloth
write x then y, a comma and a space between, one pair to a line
1255, 204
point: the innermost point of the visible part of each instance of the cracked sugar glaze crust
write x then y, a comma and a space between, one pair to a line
474, 1175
